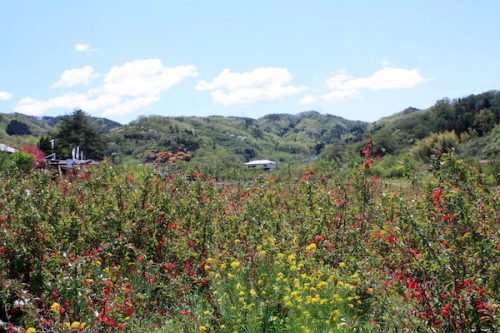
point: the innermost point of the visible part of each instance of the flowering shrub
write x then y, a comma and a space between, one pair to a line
105, 250
38, 155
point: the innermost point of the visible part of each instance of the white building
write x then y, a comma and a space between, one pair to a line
261, 164
7, 149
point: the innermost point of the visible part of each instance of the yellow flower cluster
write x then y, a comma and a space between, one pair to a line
314, 293
55, 307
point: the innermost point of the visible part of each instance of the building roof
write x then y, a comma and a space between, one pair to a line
7, 149
260, 162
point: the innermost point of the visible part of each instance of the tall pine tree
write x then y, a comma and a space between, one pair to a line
79, 129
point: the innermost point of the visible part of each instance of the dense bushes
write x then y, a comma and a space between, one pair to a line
106, 250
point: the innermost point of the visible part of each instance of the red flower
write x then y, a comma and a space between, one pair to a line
445, 310
366, 151
307, 176
369, 162
436, 197
319, 238
449, 218
413, 252
186, 313
37, 153
482, 306
169, 267
391, 239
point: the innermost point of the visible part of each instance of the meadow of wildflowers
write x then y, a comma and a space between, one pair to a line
107, 250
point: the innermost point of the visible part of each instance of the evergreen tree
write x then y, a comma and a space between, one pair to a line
44, 145
79, 129
16, 127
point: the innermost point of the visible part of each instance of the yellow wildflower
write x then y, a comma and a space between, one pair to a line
235, 264
202, 328
31, 330
211, 260
75, 324
55, 307
311, 247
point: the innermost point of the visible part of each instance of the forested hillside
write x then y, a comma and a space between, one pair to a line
232, 140
472, 118
469, 124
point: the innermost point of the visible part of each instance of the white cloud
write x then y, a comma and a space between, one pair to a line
4, 95
309, 99
36, 107
83, 48
344, 86
127, 88
145, 77
75, 76
131, 105
384, 62
263, 83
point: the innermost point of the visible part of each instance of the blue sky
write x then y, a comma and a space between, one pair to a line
356, 59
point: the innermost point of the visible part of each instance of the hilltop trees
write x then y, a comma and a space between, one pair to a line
16, 127
79, 129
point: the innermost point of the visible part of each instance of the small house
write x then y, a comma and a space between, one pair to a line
261, 164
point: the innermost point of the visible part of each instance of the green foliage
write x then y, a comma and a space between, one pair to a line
45, 145
485, 147
475, 113
484, 121
390, 166
282, 137
79, 129
436, 143
338, 250
23, 161
16, 127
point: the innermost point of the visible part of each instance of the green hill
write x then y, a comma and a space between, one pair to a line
222, 141
232, 140
37, 127
473, 117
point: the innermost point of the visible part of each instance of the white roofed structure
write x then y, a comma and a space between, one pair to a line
264, 164
7, 149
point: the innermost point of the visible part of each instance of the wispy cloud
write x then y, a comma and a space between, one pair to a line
83, 48
4, 95
344, 86
124, 89
75, 76
263, 83
308, 99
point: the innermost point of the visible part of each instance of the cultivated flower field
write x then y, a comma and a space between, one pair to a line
107, 250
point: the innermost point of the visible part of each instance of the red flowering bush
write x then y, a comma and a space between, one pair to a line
36, 153
111, 251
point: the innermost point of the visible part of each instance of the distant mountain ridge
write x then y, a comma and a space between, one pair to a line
281, 136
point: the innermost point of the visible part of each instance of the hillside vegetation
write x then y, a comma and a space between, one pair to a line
233, 140
109, 250
473, 117
471, 123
